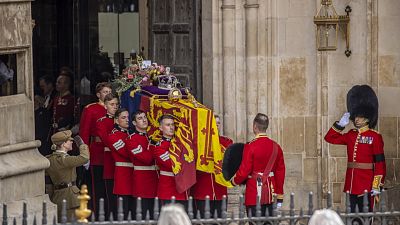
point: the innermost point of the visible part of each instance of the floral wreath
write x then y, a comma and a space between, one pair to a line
138, 74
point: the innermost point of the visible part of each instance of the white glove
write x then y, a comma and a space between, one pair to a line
344, 120
375, 192
86, 165
279, 205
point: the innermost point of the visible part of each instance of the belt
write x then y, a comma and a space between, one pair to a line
153, 167
357, 165
271, 174
64, 185
167, 173
124, 164
95, 139
107, 149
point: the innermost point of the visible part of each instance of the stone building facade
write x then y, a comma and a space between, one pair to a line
260, 56
257, 56
21, 165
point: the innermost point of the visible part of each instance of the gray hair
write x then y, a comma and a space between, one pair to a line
325, 217
173, 214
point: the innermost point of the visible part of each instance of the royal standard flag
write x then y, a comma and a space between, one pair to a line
196, 144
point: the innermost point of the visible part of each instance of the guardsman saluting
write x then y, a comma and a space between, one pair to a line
62, 171
366, 168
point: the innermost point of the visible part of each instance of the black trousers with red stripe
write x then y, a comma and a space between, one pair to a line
96, 187
111, 199
358, 201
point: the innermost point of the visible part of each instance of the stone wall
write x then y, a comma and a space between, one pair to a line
261, 57
21, 165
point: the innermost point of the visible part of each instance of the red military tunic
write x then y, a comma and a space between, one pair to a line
166, 184
205, 184
145, 177
123, 166
104, 126
87, 130
256, 155
364, 147
63, 112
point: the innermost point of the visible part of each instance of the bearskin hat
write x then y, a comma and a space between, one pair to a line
362, 101
232, 160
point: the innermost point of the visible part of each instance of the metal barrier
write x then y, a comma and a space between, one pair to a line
380, 215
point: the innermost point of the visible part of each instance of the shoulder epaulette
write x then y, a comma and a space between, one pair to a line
88, 105
375, 131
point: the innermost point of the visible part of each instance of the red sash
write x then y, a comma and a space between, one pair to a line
265, 193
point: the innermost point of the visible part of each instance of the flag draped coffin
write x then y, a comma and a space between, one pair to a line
196, 144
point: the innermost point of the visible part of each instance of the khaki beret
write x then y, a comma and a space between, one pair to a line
61, 137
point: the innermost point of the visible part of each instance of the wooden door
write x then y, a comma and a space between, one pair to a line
174, 35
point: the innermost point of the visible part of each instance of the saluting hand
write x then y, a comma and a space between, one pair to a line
344, 120
84, 147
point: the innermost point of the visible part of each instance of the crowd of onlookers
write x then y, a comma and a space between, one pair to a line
58, 104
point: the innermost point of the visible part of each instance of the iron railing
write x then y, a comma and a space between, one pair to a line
380, 215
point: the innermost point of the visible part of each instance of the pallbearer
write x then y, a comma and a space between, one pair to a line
90, 114
160, 150
206, 185
123, 166
104, 126
145, 178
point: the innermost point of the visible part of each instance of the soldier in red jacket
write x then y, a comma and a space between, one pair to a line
63, 105
123, 166
262, 168
91, 113
366, 168
206, 186
104, 126
166, 184
145, 177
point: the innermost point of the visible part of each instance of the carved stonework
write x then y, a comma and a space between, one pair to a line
263, 58
22, 166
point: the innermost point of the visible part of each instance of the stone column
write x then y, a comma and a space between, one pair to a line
251, 11
229, 67
21, 165
323, 169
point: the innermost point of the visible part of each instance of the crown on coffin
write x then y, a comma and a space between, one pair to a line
167, 82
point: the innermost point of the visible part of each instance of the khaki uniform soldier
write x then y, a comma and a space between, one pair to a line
62, 171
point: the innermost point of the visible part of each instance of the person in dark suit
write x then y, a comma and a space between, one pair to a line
44, 113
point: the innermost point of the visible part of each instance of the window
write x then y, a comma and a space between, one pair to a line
8, 74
